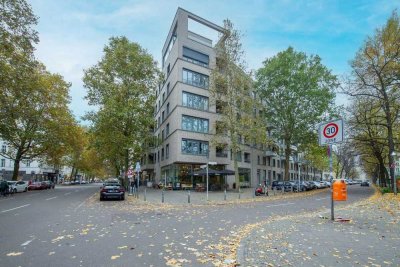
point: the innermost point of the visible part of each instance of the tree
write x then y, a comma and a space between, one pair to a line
32, 116
376, 75
297, 91
17, 40
368, 135
122, 86
232, 90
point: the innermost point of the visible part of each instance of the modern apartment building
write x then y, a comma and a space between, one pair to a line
186, 116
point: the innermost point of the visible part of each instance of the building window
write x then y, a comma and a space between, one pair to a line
162, 154
159, 122
163, 116
194, 147
167, 151
194, 78
246, 157
167, 108
194, 101
194, 124
170, 45
162, 135
221, 152
163, 97
167, 88
27, 163
3, 162
238, 155
3, 148
168, 68
258, 160
167, 130
195, 57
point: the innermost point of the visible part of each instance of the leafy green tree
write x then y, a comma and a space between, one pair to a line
376, 75
297, 91
123, 86
232, 90
32, 116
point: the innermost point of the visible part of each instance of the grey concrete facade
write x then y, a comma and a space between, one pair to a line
169, 159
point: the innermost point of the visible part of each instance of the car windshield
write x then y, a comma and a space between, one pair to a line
112, 184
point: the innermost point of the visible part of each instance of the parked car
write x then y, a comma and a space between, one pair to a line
112, 190
364, 183
18, 186
48, 184
35, 186
318, 184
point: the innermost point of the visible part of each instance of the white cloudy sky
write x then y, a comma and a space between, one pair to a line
74, 32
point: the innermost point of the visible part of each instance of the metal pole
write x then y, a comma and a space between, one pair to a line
330, 176
189, 196
225, 194
145, 194
207, 181
162, 196
298, 186
138, 178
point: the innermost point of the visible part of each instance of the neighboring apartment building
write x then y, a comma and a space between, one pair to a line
29, 169
186, 116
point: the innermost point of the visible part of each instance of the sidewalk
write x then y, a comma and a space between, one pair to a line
370, 238
181, 197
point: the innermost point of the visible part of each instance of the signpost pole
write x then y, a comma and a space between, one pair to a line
330, 175
207, 181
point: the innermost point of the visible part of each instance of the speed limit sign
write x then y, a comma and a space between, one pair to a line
331, 132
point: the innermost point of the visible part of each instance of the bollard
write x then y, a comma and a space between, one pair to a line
292, 189
145, 194
189, 196
225, 194
239, 193
162, 197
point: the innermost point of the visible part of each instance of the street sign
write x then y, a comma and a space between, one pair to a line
330, 132
137, 168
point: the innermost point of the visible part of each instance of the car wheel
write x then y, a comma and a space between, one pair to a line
15, 190
26, 189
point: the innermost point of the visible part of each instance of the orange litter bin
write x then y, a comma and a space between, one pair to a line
339, 190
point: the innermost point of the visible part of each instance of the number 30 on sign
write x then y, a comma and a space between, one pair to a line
330, 132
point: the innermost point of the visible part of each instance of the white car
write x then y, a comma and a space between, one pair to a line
18, 186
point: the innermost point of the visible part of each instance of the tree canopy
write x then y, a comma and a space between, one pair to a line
297, 91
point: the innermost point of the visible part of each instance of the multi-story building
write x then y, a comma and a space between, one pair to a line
30, 169
186, 116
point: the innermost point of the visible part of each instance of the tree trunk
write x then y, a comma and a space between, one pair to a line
288, 151
237, 178
126, 158
16, 165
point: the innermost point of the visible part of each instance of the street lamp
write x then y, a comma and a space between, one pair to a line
394, 172
206, 166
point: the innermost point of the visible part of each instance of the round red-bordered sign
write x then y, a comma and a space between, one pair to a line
330, 135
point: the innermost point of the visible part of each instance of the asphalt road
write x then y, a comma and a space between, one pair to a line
69, 226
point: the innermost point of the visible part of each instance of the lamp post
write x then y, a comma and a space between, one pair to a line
394, 172
206, 166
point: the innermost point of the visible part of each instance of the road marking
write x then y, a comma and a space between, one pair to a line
322, 198
66, 194
51, 198
8, 198
26, 243
80, 205
15, 208
283, 204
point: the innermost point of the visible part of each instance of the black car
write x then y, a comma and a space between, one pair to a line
364, 183
112, 190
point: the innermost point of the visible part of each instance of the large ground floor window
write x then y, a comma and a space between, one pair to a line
180, 176
245, 177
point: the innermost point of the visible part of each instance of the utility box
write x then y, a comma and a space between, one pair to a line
339, 190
